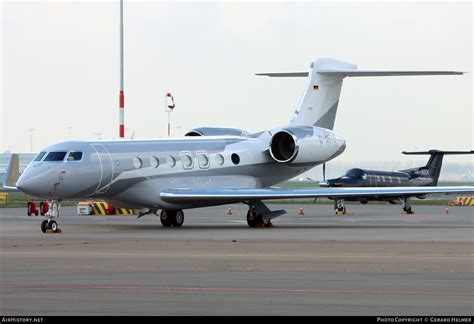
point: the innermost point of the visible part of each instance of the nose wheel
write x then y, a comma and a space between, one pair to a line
49, 225
340, 207
407, 206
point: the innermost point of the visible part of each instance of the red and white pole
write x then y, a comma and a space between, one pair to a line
122, 95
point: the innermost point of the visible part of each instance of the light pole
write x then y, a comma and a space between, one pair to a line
31, 138
169, 106
122, 91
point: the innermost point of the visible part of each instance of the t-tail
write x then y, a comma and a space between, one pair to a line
433, 167
318, 105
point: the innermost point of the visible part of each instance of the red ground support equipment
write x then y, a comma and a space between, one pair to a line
44, 208
32, 208
110, 210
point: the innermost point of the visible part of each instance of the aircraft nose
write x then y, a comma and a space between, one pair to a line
324, 184
28, 185
33, 184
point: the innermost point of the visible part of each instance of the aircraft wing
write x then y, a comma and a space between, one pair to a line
237, 195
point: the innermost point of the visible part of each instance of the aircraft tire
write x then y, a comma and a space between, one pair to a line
44, 226
253, 219
266, 221
178, 218
165, 218
52, 225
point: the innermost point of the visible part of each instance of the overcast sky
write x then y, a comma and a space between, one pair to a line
60, 69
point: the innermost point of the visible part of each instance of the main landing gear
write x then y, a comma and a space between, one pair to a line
49, 225
407, 206
172, 218
255, 219
259, 215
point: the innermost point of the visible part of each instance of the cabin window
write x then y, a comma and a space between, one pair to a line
74, 156
171, 161
235, 158
203, 160
55, 156
154, 162
40, 156
137, 162
219, 159
187, 161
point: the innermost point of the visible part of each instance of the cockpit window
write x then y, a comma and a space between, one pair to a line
40, 156
74, 156
55, 156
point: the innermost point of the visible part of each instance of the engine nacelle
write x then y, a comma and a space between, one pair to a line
216, 131
305, 145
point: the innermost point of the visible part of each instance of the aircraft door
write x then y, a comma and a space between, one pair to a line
106, 167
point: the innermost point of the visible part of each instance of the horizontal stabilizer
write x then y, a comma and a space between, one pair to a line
363, 73
359, 73
433, 152
13, 172
284, 75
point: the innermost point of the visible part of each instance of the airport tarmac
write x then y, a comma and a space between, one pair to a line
374, 261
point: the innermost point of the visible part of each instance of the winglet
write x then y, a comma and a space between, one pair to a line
13, 172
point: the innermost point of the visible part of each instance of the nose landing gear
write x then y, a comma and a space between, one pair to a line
49, 225
340, 207
407, 206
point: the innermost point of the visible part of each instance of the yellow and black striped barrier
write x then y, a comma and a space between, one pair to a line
101, 208
3, 198
466, 200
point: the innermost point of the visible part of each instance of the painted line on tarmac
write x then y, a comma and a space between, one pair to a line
231, 289
42, 254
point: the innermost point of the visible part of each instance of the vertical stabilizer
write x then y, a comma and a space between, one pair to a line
318, 105
13, 172
433, 167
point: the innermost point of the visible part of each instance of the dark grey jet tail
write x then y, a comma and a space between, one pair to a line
433, 167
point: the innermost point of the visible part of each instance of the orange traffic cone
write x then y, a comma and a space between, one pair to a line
301, 210
229, 211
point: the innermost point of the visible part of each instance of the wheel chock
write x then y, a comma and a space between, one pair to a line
343, 213
50, 231
407, 213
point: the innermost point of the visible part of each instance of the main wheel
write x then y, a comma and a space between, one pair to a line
178, 218
44, 226
166, 218
266, 221
52, 225
252, 218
